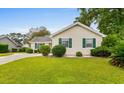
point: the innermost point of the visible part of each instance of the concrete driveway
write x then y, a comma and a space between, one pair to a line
7, 59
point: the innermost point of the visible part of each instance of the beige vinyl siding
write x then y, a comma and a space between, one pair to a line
77, 33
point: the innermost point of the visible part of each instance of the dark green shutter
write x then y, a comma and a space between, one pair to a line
60, 41
35, 45
70, 42
84, 43
94, 42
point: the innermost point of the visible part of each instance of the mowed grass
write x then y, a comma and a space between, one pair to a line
50, 70
5, 54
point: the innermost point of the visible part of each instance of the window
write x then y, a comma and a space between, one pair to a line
65, 42
89, 42
37, 45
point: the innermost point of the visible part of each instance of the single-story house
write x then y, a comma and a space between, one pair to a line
37, 41
77, 37
11, 43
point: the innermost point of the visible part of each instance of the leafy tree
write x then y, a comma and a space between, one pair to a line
41, 31
110, 41
86, 16
121, 33
109, 20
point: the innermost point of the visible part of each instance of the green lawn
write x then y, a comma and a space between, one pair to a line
5, 54
46, 70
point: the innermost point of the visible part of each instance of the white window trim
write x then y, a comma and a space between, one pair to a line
66, 38
35, 45
85, 42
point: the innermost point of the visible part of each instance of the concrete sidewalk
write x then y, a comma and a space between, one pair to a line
7, 59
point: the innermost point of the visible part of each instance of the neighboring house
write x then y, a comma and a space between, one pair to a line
11, 43
37, 41
26, 45
77, 37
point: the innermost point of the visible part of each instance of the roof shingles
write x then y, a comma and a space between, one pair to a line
41, 39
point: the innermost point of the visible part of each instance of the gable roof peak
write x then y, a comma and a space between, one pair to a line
80, 24
17, 44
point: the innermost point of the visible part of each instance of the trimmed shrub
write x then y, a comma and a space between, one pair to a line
58, 50
14, 49
102, 51
29, 50
118, 57
3, 48
35, 51
45, 50
23, 49
79, 54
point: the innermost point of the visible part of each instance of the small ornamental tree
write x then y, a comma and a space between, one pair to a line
45, 50
59, 50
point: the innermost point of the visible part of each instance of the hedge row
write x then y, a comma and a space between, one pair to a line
102, 51
3, 48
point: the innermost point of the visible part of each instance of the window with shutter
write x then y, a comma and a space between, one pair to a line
37, 45
89, 43
67, 42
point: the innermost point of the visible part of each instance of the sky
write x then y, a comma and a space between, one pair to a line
22, 19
